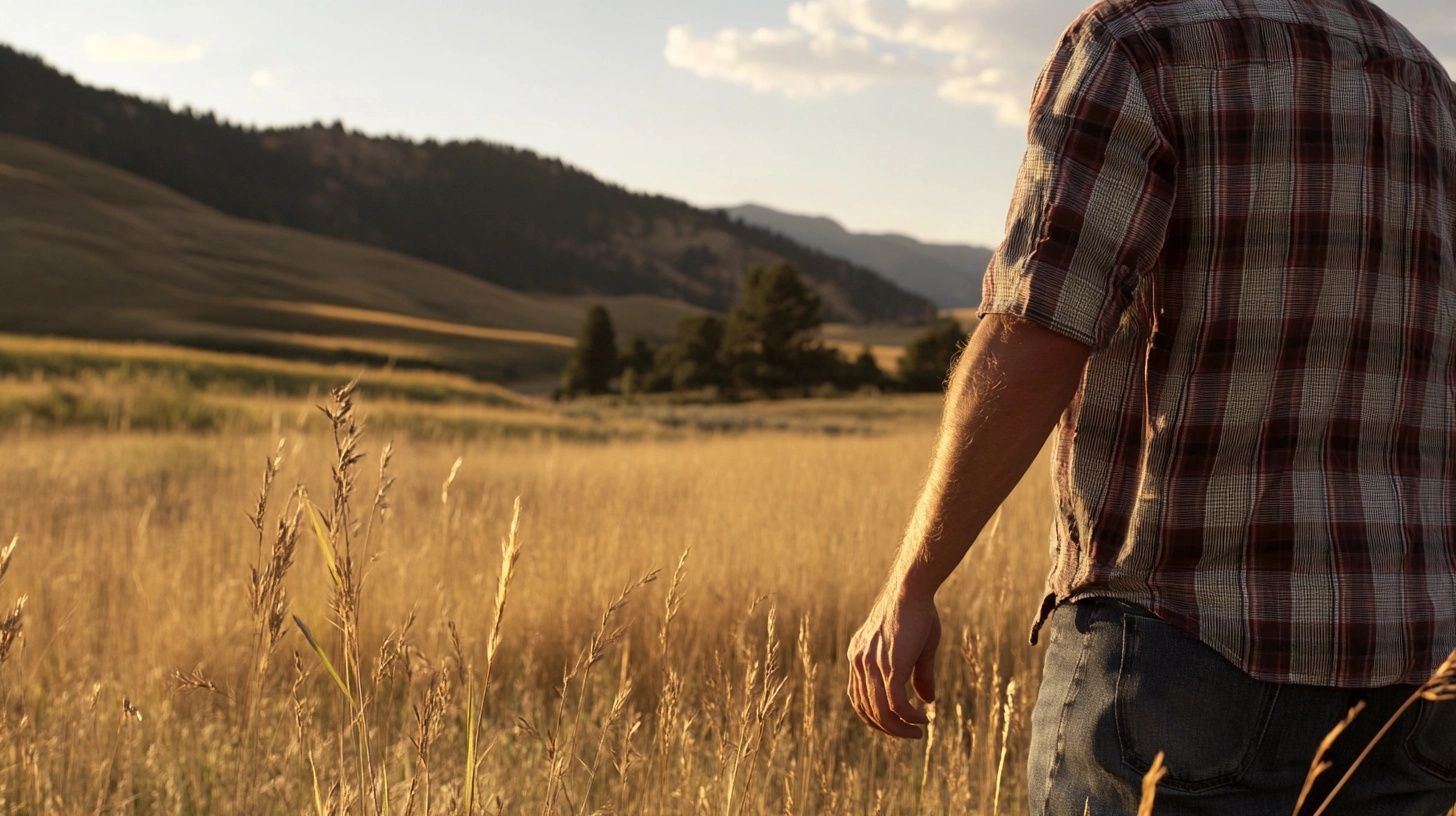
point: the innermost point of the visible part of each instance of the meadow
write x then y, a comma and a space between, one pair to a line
679, 586
433, 596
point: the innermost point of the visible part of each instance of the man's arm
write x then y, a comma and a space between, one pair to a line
1011, 384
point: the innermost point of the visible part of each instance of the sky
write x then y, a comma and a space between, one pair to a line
887, 115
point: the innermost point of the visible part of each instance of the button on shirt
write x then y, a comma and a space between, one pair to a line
1246, 208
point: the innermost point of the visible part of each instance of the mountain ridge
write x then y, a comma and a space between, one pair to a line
501, 214
947, 274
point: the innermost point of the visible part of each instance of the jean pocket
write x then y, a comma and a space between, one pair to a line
1432, 742
1179, 696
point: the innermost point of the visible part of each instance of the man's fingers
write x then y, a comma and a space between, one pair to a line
883, 715
923, 675
856, 695
923, 679
894, 649
859, 694
897, 699
867, 695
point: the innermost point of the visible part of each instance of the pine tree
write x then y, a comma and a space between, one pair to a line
636, 367
693, 359
866, 370
769, 333
593, 363
928, 357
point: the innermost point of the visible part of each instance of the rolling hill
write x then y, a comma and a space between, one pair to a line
87, 250
499, 214
947, 274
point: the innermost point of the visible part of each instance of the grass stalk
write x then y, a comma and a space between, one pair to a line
12, 624
1007, 712
510, 550
1318, 765
1155, 774
607, 634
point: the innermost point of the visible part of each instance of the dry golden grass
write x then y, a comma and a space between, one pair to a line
60, 358
374, 319
160, 670
220, 623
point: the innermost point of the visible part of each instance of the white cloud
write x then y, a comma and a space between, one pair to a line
982, 53
139, 49
264, 78
987, 89
790, 61
944, 26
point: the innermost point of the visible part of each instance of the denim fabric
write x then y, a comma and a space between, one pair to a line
1120, 685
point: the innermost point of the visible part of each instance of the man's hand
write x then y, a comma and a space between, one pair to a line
896, 645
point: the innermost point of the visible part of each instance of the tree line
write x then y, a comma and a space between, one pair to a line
768, 344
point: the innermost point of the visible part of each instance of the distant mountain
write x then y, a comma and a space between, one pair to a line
947, 274
501, 214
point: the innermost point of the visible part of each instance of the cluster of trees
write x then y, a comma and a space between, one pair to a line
768, 344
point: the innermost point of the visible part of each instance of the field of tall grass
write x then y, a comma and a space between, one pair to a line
363, 621
469, 605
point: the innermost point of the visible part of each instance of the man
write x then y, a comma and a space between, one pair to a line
1229, 272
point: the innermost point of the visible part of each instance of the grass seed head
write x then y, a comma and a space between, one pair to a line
1442, 685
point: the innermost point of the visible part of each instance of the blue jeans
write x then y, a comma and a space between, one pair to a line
1121, 685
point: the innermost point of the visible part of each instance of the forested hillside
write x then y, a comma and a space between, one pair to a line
87, 250
498, 213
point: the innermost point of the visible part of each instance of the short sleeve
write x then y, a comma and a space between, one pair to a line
1093, 197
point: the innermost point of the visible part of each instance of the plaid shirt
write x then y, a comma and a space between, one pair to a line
1247, 208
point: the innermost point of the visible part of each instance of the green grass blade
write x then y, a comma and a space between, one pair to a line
384, 777
321, 534
323, 658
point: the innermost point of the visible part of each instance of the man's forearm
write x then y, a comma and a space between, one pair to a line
1010, 385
